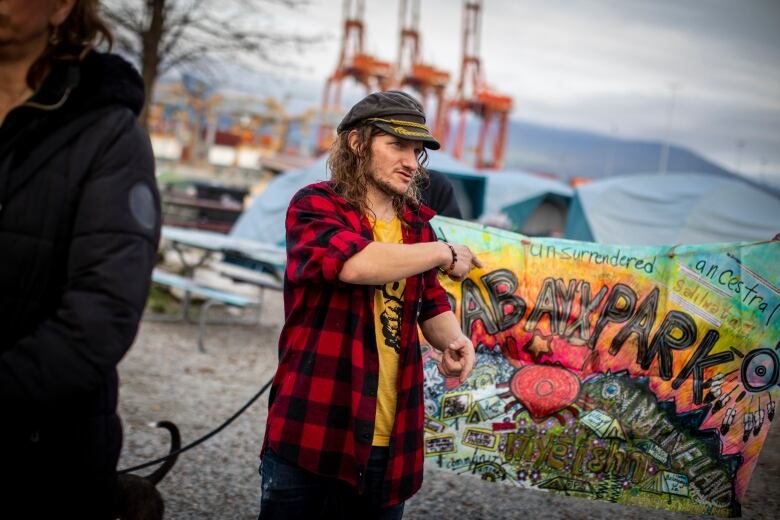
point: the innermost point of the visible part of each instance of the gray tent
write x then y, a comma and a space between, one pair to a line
693, 208
264, 219
533, 204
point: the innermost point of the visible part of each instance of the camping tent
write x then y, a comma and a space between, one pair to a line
264, 219
535, 205
652, 209
516, 193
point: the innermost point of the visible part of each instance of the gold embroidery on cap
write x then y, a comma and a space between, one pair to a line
403, 131
399, 122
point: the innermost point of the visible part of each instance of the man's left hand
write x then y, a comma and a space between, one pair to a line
458, 358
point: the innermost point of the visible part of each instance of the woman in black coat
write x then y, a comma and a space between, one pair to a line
79, 227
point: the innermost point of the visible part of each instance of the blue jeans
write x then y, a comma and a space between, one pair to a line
290, 492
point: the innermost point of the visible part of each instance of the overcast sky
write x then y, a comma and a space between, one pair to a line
600, 65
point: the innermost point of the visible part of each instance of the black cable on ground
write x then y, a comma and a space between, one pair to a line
204, 438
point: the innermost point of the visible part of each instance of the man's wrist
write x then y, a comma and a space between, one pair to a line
452, 259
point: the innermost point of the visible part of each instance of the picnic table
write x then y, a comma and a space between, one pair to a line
243, 261
271, 256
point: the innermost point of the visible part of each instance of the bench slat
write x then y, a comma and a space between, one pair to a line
244, 275
185, 284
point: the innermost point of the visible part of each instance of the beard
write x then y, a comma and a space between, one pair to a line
385, 187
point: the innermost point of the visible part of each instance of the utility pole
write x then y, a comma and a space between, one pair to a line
663, 164
609, 166
740, 146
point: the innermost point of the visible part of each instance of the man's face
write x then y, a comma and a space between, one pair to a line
393, 163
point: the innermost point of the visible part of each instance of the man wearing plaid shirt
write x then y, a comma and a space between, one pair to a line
344, 435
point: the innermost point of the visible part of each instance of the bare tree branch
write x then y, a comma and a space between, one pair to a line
169, 34
122, 17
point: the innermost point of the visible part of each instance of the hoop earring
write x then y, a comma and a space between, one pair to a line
54, 37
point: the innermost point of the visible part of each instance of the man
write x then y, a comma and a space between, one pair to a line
344, 432
438, 194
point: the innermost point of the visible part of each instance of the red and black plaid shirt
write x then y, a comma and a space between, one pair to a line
323, 398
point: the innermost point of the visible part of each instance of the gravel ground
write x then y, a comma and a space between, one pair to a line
165, 377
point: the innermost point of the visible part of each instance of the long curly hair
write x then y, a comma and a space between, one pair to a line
350, 171
83, 29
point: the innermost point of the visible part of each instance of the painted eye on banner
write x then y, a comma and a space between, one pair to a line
760, 370
610, 391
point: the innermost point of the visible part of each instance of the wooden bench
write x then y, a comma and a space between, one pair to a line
213, 297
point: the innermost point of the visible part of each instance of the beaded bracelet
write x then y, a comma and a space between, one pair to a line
454, 260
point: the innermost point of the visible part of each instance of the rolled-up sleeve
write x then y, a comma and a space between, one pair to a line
434, 300
434, 297
319, 238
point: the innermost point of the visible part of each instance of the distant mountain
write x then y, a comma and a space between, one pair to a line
571, 153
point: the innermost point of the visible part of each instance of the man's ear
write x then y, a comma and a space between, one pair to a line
352, 140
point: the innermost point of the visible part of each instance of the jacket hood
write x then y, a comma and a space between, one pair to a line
108, 79
72, 88
96, 81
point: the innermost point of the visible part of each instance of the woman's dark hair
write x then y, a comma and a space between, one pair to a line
83, 28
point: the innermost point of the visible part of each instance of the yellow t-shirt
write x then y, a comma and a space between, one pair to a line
388, 305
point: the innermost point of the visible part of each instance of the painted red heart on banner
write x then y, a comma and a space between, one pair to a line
544, 389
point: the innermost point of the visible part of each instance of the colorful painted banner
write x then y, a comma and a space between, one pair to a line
644, 376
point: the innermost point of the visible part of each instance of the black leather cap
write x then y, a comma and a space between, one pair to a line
394, 112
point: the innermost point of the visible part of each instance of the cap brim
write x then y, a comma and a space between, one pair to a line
410, 133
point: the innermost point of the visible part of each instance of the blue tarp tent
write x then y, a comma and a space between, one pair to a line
264, 219
692, 208
469, 185
516, 193
521, 194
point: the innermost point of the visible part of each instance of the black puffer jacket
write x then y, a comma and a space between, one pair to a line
79, 227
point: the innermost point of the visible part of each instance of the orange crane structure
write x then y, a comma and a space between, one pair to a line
353, 63
473, 95
428, 81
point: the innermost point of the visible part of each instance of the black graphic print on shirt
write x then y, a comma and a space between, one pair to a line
391, 316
